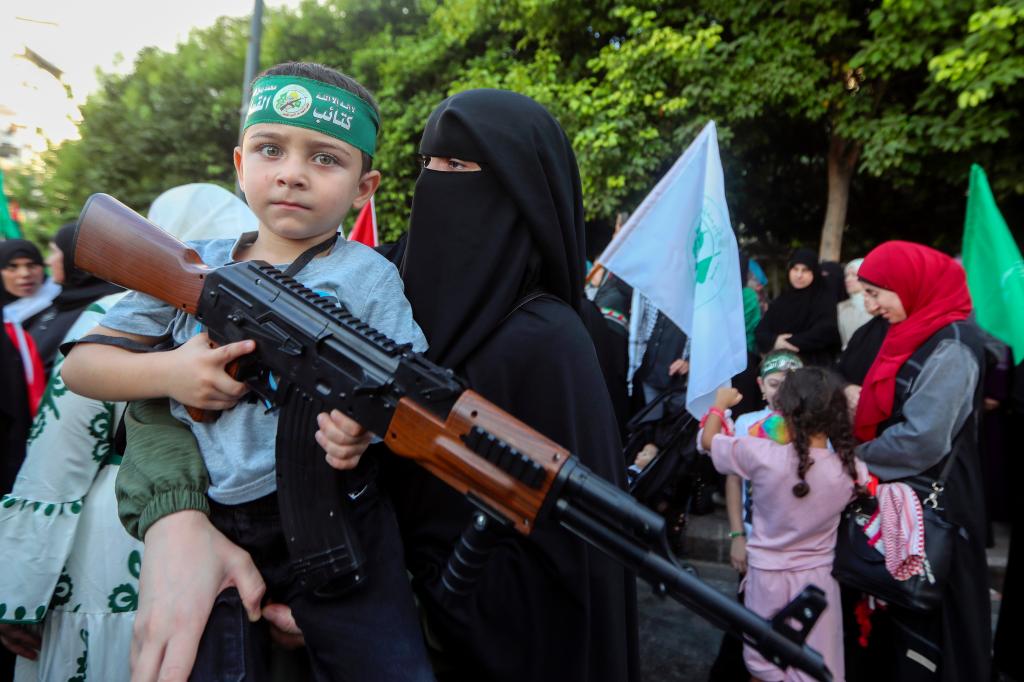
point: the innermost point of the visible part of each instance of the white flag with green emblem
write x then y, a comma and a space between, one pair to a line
678, 249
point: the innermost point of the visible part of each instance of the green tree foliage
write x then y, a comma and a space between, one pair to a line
864, 113
172, 120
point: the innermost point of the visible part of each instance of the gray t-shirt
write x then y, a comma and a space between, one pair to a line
238, 447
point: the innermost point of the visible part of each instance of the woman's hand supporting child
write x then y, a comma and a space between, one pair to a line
168, 624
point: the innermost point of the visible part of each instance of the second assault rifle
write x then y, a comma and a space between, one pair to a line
321, 357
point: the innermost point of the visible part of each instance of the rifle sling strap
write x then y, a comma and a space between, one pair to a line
303, 259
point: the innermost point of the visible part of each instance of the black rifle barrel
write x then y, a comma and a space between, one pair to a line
691, 591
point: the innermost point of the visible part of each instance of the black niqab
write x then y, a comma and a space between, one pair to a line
518, 224
79, 288
833, 277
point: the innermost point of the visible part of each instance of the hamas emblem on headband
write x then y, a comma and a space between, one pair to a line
292, 101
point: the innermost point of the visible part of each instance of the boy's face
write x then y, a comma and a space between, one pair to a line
300, 183
770, 386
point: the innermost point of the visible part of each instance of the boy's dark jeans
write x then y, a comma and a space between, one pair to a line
369, 633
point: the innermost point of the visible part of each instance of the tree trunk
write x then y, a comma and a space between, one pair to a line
842, 163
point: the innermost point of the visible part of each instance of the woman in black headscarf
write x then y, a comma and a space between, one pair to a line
494, 270
21, 374
21, 266
803, 318
79, 289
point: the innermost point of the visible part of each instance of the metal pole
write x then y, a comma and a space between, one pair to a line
252, 61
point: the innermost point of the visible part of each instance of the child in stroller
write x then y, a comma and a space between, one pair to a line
662, 460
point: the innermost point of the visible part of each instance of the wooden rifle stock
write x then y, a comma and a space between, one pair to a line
151, 261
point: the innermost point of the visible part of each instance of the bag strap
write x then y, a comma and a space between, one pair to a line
939, 484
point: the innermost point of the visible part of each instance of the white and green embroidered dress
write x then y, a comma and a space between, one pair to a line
69, 566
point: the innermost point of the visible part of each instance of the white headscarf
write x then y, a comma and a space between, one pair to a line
201, 211
857, 298
193, 212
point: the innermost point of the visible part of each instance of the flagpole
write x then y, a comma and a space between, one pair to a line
252, 62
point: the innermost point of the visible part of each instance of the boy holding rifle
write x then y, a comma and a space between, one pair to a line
304, 161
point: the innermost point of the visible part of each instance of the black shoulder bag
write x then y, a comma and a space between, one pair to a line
862, 567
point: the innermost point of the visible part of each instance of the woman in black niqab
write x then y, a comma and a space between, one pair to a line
479, 241
833, 278
493, 269
807, 314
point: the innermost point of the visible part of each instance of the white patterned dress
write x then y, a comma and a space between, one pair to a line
69, 568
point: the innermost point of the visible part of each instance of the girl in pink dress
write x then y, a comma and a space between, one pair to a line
799, 491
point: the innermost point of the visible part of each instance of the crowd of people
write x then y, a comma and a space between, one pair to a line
143, 542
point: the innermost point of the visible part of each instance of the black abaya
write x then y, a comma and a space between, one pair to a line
547, 607
15, 418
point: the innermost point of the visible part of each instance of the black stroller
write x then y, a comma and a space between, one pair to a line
672, 483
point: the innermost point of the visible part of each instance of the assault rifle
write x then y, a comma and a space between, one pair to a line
322, 357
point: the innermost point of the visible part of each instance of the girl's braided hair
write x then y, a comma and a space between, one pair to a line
812, 401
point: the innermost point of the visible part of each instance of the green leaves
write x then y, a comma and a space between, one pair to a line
988, 60
920, 87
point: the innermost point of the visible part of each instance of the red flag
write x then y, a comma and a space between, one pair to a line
365, 229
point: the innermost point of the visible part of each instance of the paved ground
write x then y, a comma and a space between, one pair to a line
676, 645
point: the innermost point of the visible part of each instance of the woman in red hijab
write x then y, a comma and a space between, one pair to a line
917, 409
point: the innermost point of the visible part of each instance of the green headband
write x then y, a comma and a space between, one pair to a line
312, 104
783, 362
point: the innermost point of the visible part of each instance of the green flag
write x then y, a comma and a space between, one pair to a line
995, 270
8, 228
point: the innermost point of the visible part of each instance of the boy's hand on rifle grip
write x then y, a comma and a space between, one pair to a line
197, 377
342, 438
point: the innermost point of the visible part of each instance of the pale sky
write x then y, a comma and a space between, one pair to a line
77, 36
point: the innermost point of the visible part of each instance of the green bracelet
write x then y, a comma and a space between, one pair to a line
733, 534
